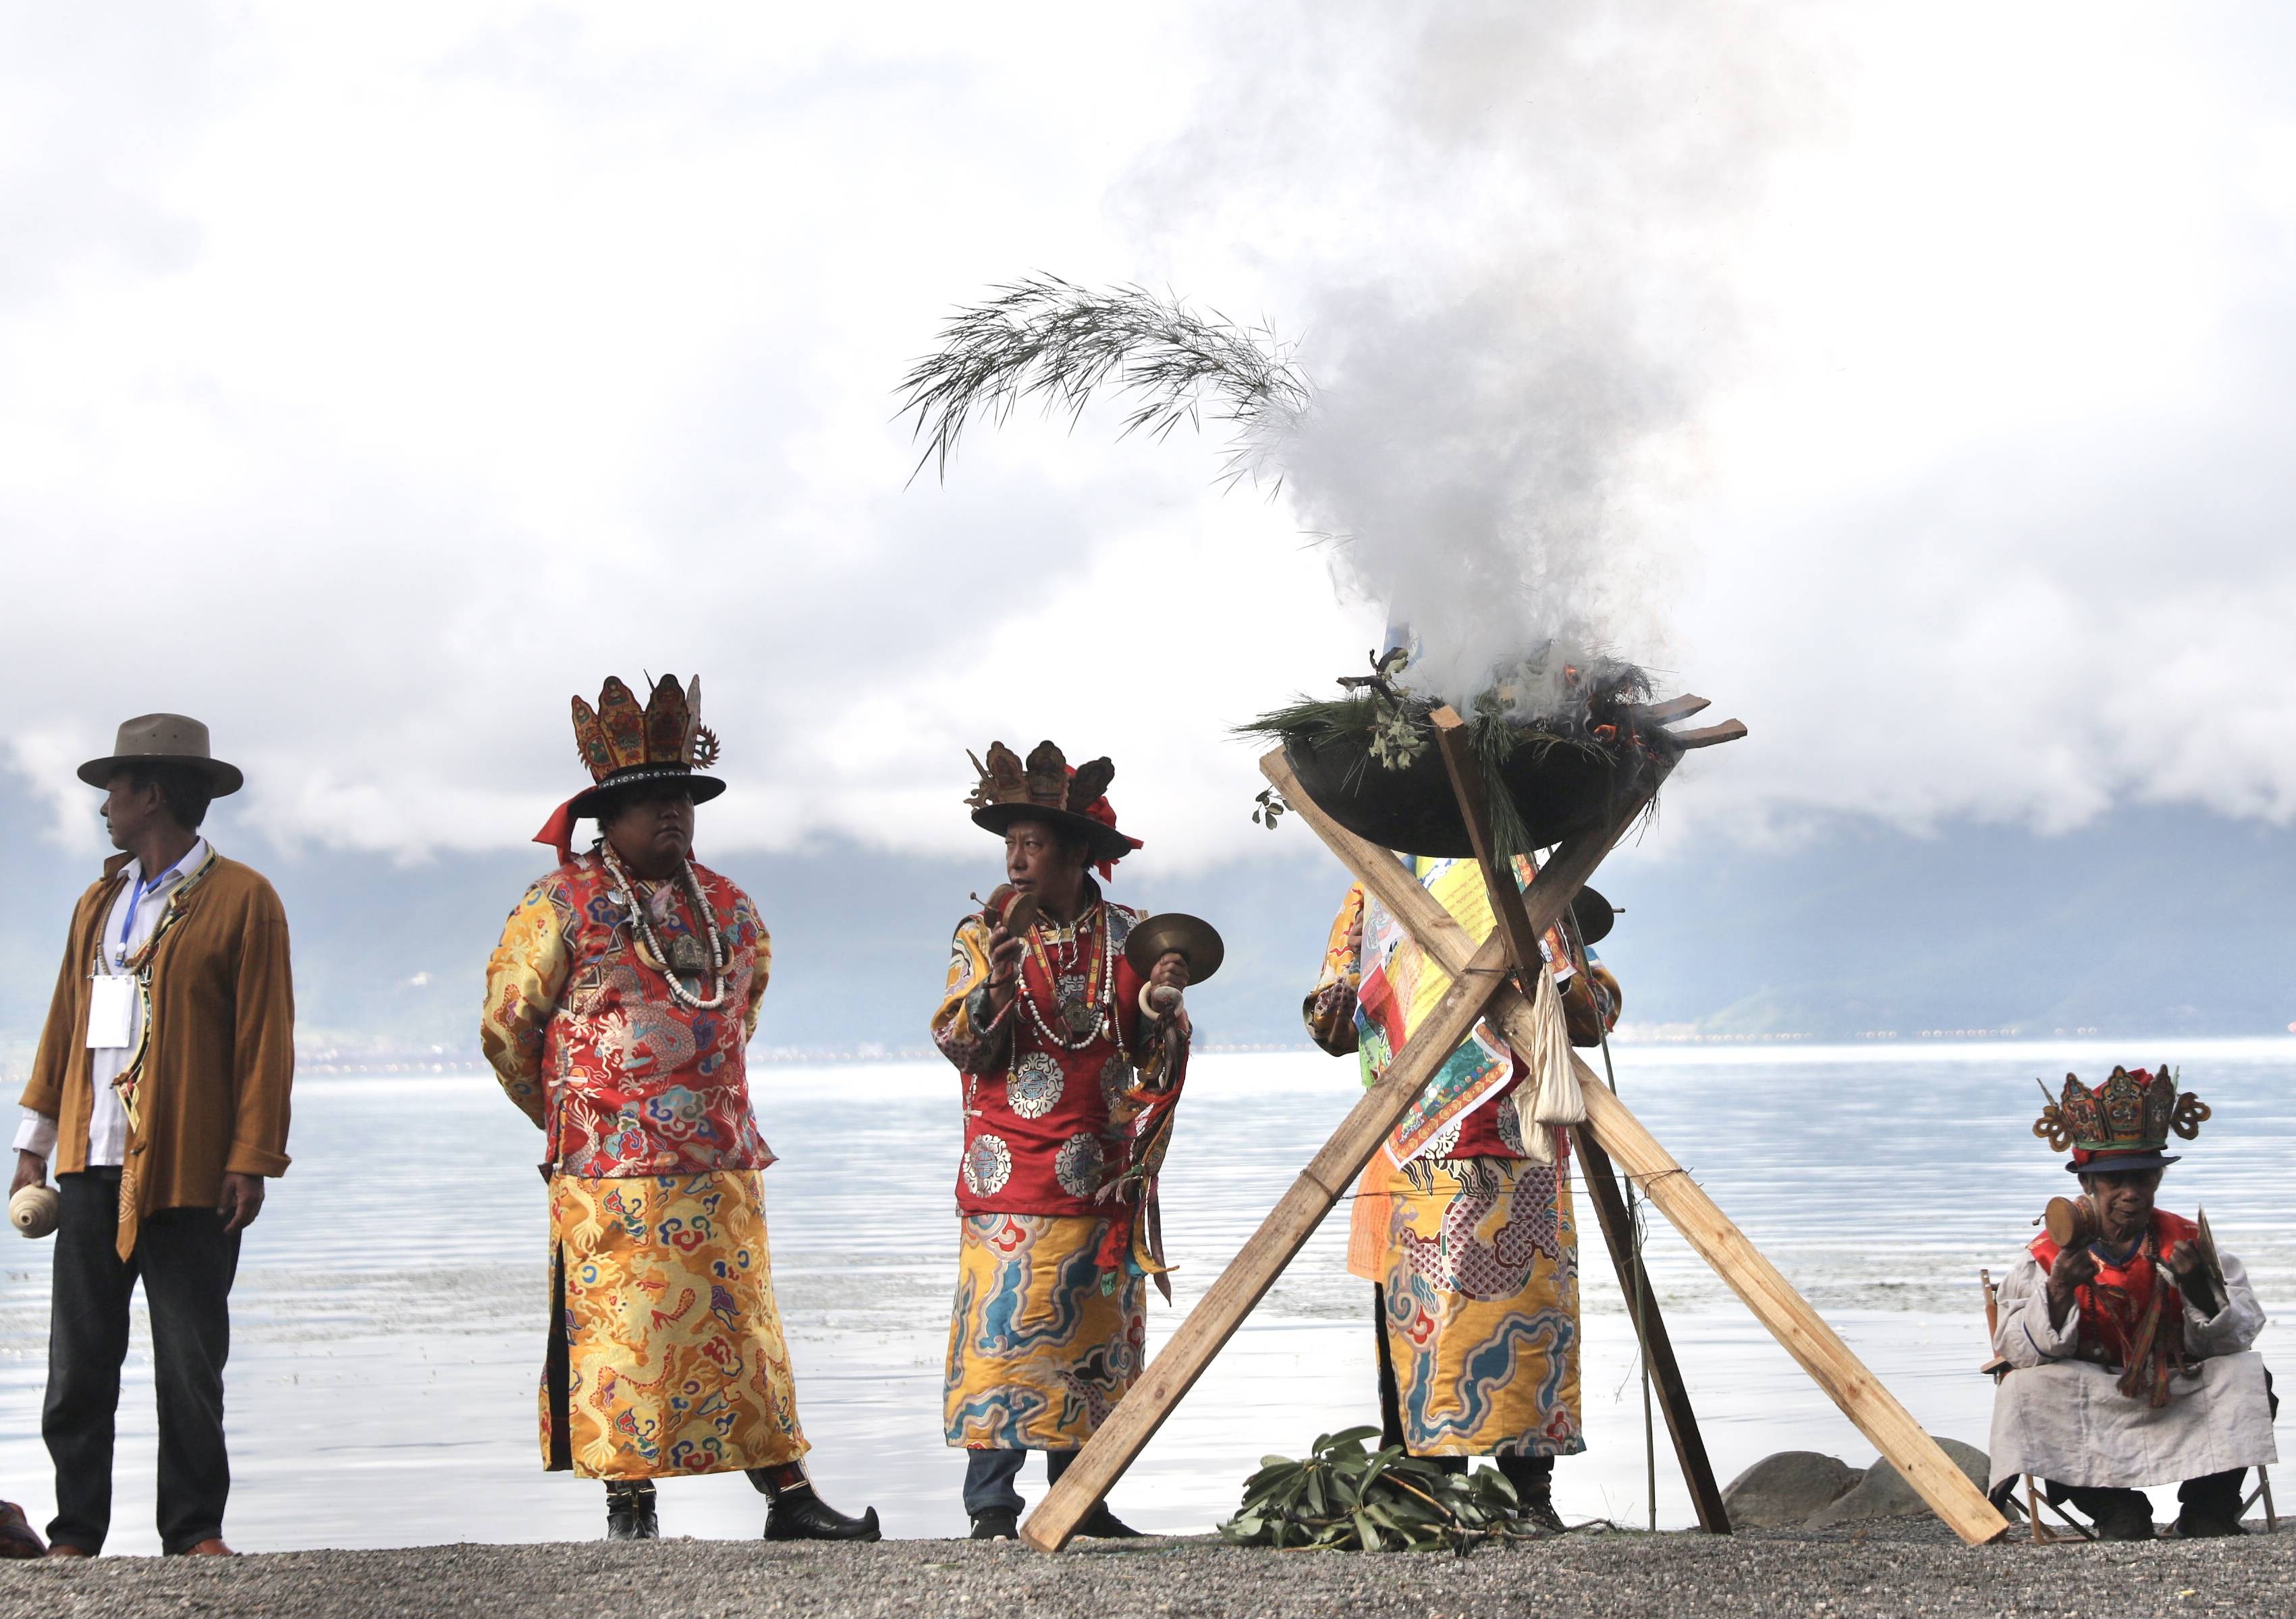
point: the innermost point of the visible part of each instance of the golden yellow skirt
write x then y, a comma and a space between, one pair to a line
666, 1355
1481, 1298
1037, 1353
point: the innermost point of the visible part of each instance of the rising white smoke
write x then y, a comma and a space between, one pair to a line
1512, 340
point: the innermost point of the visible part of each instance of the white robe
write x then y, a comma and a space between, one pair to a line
2059, 1418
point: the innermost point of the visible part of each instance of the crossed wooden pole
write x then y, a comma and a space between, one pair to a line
1485, 986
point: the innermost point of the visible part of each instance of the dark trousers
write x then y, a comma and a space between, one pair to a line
186, 1262
2214, 1497
990, 1475
1532, 1476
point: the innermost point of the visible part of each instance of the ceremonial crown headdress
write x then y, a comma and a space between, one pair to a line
623, 745
1045, 787
2122, 1124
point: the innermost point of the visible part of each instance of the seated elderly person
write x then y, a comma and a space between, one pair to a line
2126, 1334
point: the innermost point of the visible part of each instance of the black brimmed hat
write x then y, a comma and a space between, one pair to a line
1592, 915
626, 746
1043, 788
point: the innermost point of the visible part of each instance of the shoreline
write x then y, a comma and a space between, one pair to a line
1659, 1043
1882, 1569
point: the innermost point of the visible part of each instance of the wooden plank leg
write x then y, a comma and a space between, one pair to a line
1477, 975
1513, 920
2036, 1504
1657, 1346
1798, 1328
1167, 1379
1803, 1333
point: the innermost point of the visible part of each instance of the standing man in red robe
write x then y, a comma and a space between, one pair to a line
618, 1011
1072, 1063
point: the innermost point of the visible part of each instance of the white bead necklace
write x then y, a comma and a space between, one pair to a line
1098, 1003
641, 917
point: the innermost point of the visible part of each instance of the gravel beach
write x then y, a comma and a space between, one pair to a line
1890, 1569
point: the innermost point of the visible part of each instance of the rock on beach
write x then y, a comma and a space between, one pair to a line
1883, 1492
1820, 1492
1787, 1488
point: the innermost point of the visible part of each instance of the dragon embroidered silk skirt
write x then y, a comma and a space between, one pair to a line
1037, 1353
1481, 1291
666, 1355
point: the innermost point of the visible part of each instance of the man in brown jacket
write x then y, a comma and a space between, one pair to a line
160, 1088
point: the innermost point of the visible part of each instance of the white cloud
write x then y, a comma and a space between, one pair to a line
373, 382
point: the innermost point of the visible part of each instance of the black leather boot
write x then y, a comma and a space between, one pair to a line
1533, 1478
797, 1514
629, 1510
2117, 1515
1101, 1522
2211, 1506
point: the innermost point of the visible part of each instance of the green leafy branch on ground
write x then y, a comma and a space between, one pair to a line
1347, 1497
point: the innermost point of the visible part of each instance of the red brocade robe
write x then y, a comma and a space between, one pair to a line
1054, 1131
586, 1041
666, 1355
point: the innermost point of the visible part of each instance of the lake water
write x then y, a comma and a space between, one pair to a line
389, 1317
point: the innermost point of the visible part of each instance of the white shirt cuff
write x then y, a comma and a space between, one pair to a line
37, 1134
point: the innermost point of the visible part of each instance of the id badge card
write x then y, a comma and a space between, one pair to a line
110, 1009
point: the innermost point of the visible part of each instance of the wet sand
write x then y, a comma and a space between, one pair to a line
1890, 1569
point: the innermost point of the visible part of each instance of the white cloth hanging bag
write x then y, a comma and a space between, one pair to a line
1558, 1100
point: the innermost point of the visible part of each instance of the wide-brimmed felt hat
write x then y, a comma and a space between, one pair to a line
1043, 787
164, 739
624, 746
2121, 1126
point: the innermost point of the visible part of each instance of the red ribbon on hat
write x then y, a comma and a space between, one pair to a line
558, 831
1101, 810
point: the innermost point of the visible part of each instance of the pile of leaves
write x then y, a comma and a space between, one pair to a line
1347, 1497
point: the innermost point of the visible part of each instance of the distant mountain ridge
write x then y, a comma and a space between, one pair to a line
2153, 919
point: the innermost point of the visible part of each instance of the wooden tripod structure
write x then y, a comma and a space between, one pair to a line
1484, 986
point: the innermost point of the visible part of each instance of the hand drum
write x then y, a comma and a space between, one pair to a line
1011, 909
2070, 1222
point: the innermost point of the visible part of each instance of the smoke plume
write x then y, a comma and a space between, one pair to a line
1514, 330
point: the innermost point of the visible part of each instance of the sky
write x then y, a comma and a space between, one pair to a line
1910, 381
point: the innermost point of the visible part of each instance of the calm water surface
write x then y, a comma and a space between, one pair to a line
390, 1310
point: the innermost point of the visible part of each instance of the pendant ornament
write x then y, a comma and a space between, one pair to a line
686, 953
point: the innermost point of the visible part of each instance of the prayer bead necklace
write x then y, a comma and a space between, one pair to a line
642, 917
1103, 973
